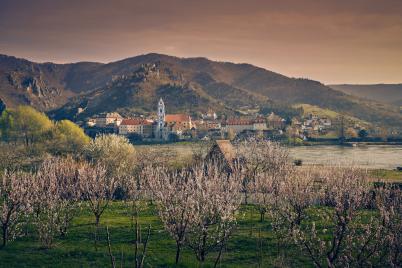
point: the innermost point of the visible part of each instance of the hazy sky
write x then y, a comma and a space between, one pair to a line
333, 41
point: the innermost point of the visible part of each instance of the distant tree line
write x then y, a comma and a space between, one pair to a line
29, 134
283, 110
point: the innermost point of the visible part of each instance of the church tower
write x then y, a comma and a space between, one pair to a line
161, 118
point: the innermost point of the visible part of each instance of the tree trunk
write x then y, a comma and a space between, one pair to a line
245, 198
97, 220
145, 246
112, 259
4, 227
204, 242
219, 254
136, 244
178, 248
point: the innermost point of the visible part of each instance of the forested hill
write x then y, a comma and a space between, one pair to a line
187, 84
386, 93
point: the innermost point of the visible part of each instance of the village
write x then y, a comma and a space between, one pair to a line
165, 127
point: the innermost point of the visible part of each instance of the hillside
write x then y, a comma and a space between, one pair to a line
134, 85
386, 93
45, 86
334, 116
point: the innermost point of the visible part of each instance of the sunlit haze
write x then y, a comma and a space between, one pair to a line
355, 41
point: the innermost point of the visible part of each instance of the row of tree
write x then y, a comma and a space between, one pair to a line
50, 195
32, 129
333, 214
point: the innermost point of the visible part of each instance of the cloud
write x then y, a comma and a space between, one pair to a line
331, 41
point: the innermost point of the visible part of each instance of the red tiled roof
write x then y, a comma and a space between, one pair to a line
259, 120
244, 121
238, 122
147, 122
177, 118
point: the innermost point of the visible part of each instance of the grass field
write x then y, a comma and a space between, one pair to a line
386, 175
251, 245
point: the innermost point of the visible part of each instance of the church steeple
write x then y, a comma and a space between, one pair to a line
161, 117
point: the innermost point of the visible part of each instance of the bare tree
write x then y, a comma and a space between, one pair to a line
138, 183
297, 192
139, 255
97, 188
344, 192
45, 201
366, 244
216, 198
14, 202
389, 204
173, 192
261, 157
267, 182
55, 199
135, 186
66, 172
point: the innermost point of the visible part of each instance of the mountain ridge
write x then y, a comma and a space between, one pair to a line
381, 92
135, 84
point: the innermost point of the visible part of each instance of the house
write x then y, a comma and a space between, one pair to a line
179, 124
259, 124
223, 154
210, 115
313, 117
130, 126
147, 128
138, 126
275, 122
178, 121
207, 124
239, 125
91, 122
167, 124
326, 122
108, 119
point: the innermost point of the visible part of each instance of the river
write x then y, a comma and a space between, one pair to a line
368, 156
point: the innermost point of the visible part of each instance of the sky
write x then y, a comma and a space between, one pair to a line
333, 41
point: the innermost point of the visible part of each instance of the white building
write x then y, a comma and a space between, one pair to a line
259, 124
239, 125
130, 126
136, 125
161, 120
108, 119
170, 123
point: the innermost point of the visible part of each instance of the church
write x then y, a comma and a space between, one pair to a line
167, 124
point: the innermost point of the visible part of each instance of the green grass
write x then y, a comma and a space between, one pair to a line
312, 109
77, 248
386, 175
252, 244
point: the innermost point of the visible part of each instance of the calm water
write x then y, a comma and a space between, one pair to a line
371, 156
